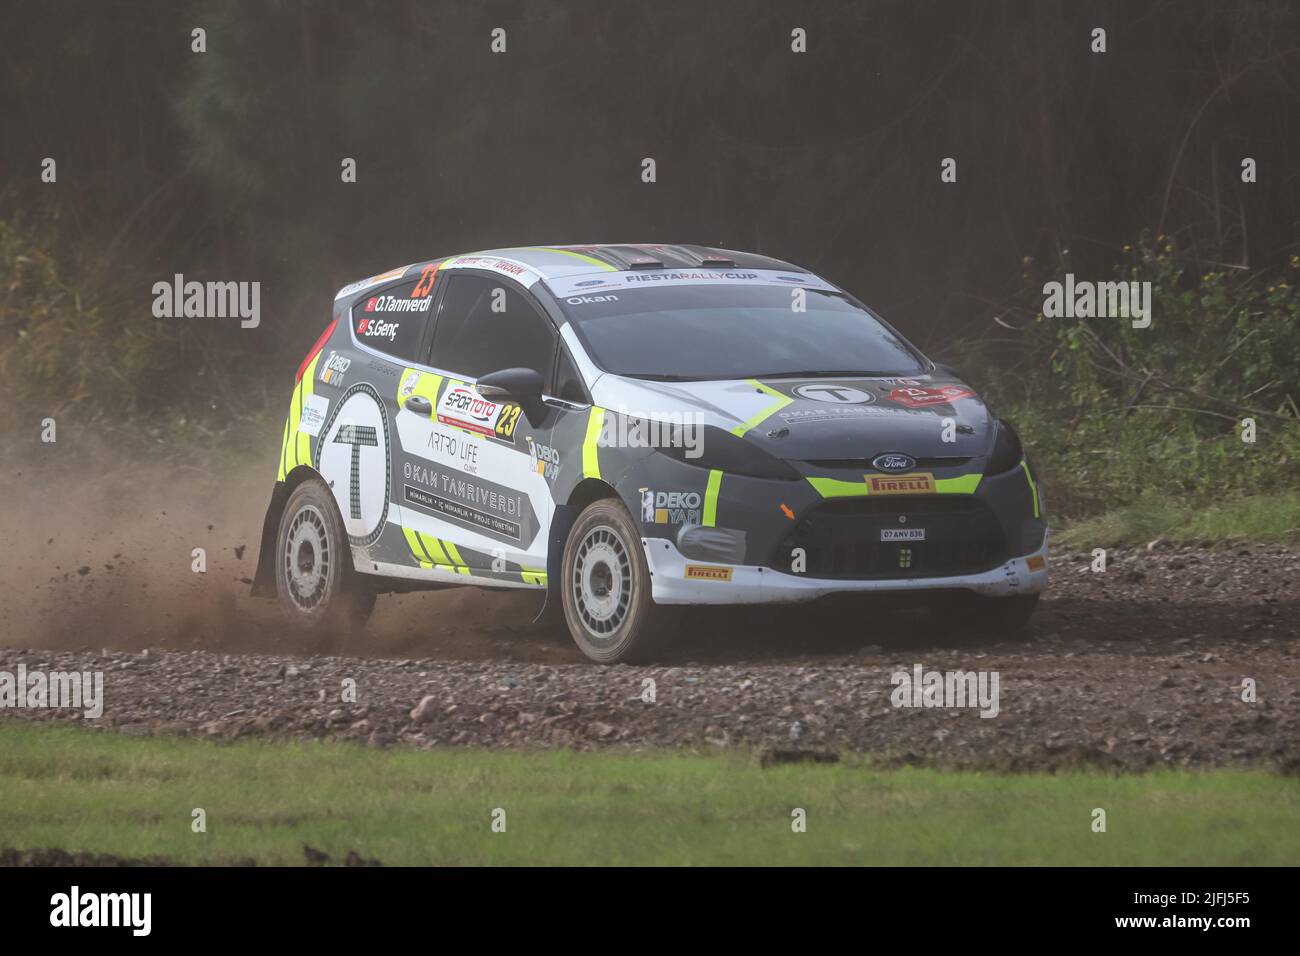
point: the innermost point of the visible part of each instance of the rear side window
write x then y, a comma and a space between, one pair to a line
485, 325
393, 320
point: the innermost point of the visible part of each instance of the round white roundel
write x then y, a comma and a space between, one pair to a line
834, 394
352, 456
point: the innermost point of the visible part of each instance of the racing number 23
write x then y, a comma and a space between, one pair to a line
506, 423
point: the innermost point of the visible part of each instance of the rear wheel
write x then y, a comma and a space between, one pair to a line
983, 615
314, 577
606, 588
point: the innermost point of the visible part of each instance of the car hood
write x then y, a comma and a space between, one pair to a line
821, 419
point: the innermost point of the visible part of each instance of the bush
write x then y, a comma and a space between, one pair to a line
68, 339
1115, 413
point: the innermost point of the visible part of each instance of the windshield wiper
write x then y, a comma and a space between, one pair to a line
806, 373
826, 373
661, 376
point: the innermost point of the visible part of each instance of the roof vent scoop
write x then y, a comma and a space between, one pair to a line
717, 262
644, 262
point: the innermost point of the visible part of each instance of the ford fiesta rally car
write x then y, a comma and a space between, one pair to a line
636, 427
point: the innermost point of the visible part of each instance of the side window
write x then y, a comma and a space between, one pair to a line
393, 320
484, 326
568, 383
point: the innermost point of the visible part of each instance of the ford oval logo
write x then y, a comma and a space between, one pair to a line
893, 462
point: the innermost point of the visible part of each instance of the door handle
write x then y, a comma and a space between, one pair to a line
418, 404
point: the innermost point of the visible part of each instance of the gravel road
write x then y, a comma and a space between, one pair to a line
1137, 667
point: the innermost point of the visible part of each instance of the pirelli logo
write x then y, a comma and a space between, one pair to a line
703, 572
918, 483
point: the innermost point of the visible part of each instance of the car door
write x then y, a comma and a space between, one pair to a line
473, 479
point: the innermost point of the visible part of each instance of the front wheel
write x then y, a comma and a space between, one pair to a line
314, 579
606, 588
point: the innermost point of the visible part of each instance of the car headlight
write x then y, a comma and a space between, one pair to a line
1007, 450
729, 453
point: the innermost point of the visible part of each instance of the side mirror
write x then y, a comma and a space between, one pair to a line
522, 385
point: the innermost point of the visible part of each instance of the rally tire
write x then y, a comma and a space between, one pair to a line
314, 579
968, 612
605, 588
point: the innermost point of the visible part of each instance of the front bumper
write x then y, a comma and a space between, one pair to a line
676, 579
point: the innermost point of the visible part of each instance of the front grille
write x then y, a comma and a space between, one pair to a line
841, 538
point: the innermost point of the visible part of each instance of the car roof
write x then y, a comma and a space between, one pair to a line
561, 262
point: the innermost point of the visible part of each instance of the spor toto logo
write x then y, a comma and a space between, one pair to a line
834, 394
352, 456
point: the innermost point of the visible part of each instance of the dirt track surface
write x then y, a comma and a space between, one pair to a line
1139, 667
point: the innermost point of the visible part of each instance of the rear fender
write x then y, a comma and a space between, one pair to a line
264, 578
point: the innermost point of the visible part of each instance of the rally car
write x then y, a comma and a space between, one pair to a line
632, 428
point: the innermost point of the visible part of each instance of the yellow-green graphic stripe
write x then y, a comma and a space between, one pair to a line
1033, 488
711, 498
591, 446
781, 402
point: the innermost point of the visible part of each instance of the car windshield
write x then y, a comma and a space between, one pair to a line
717, 332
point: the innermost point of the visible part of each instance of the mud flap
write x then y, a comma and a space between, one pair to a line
264, 578
561, 523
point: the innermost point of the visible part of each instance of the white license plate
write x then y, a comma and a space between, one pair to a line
902, 534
